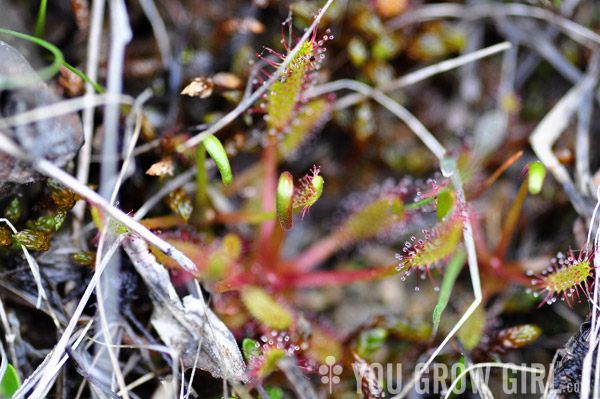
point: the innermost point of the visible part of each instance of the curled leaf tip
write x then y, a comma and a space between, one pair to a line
217, 152
285, 200
535, 177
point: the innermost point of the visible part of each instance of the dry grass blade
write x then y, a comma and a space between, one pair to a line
552, 126
410, 78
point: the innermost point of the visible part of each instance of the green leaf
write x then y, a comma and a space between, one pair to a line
285, 200
377, 216
370, 341
44, 73
217, 153
452, 271
444, 204
274, 392
535, 178
250, 348
265, 308
10, 382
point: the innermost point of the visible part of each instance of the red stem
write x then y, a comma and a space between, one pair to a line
337, 277
269, 161
315, 255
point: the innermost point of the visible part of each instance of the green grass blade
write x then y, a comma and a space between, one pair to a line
83, 76
41, 19
452, 271
44, 73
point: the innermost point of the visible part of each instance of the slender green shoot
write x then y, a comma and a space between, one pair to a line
201, 179
44, 73
452, 270
41, 19
85, 78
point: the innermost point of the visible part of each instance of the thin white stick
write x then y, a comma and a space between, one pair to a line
177, 182
64, 107
586, 369
49, 169
35, 269
551, 128
506, 366
247, 103
3, 361
160, 32
9, 336
410, 78
575, 31
402, 113
583, 177
136, 110
83, 161
56, 358
140, 149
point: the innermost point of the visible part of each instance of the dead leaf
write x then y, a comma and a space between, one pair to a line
190, 328
161, 168
200, 87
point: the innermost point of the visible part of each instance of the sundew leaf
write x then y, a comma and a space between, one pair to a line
308, 118
265, 308
452, 271
373, 218
285, 93
217, 153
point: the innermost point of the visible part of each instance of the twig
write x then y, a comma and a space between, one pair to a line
506, 366
3, 361
9, 337
583, 177
402, 113
64, 107
177, 182
470, 85
553, 125
49, 169
46, 372
247, 103
160, 32
83, 161
410, 78
424, 13
586, 369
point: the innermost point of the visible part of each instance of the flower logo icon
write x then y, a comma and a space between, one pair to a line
330, 372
